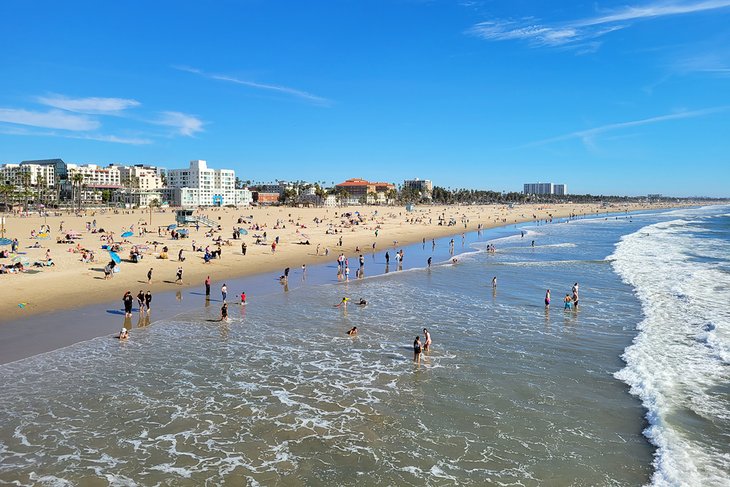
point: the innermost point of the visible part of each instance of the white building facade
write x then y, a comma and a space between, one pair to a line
200, 186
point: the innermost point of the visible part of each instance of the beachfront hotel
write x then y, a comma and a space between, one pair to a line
198, 185
357, 190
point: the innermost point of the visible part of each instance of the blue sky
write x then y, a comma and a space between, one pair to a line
607, 97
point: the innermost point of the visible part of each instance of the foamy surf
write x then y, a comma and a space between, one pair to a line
677, 364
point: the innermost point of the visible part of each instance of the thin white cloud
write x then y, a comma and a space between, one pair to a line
182, 123
588, 136
92, 105
566, 33
253, 84
52, 119
10, 130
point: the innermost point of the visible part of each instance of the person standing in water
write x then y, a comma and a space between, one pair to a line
427, 335
429, 262
494, 281
224, 292
417, 350
224, 312
207, 286
547, 298
148, 300
128, 301
567, 300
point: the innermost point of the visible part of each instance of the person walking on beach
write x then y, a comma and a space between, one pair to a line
547, 298
224, 292
243, 248
148, 300
417, 350
149, 276
128, 301
179, 276
207, 287
427, 335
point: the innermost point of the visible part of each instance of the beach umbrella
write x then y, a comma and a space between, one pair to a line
184, 231
172, 227
43, 236
5, 241
20, 258
115, 257
243, 231
127, 234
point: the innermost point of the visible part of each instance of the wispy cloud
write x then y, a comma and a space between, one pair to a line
261, 86
182, 123
10, 130
52, 119
574, 32
711, 63
588, 136
99, 106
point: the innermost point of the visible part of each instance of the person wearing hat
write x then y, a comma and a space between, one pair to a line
124, 334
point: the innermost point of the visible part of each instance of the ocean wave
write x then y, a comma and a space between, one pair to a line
679, 358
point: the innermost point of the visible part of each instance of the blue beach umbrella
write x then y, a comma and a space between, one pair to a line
243, 231
183, 231
5, 241
127, 234
172, 227
115, 257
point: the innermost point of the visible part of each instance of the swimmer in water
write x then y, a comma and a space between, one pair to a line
343, 303
547, 298
124, 334
352, 331
362, 302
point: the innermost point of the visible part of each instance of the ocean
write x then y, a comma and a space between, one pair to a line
630, 388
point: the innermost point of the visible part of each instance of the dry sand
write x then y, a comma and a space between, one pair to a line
72, 283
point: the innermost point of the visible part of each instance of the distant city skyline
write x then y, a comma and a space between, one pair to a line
606, 97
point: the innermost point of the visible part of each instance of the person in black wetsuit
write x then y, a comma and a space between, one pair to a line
417, 350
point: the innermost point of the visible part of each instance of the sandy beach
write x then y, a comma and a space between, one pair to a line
73, 283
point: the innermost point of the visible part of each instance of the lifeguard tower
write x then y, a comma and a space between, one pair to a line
186, 217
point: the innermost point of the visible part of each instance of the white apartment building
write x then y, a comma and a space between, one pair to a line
31, 174
96, 179
145, 178
560, 189
423, 186
200, 186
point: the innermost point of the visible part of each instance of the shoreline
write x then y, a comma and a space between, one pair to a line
24, 337
50, 292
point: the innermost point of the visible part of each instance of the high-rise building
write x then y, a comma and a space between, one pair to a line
546, 188
423, 186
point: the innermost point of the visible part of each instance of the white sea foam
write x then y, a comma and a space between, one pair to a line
681, 353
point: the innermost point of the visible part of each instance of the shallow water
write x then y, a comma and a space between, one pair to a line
511, 394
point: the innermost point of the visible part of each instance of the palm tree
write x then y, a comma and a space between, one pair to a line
76, 179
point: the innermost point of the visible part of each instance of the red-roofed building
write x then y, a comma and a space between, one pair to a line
359, 191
